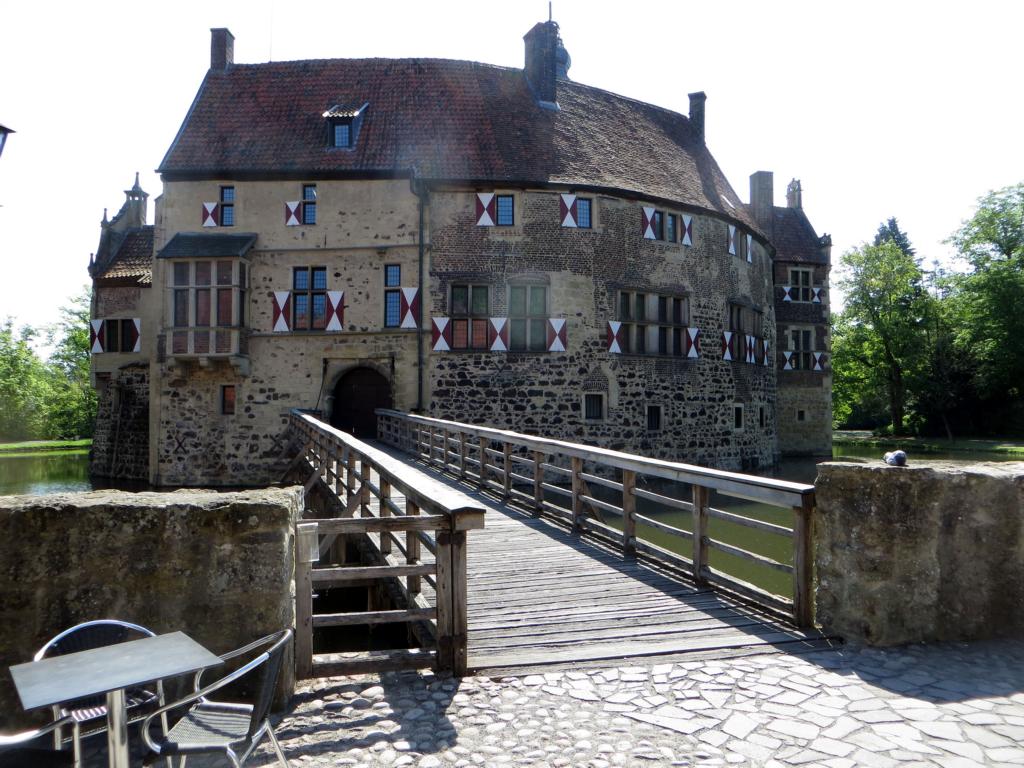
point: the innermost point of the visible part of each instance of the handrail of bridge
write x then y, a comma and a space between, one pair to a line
345, 468
506, 462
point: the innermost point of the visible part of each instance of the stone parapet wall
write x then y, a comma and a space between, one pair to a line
929, 552
218, 566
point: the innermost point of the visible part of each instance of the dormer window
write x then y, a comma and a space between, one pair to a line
343, 122
342, 134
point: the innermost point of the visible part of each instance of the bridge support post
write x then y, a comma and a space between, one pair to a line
700, 533
803, 607
577, 492
306, 543
628, 510
538, 482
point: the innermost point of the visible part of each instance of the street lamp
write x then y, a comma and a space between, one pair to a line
4, 130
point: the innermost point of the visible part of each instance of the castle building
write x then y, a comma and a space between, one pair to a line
487, 244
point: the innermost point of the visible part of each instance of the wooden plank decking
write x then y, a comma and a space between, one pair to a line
541, 595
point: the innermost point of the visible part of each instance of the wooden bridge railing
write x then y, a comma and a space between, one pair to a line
555, 478
362, 479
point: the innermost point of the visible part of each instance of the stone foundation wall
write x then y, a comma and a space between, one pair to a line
120, 445
929, 552
219, 566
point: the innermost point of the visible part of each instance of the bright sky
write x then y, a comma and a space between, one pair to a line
906, 109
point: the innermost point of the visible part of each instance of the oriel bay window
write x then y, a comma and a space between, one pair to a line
528, 318
208, 299
653, 324
309, 298
470, 308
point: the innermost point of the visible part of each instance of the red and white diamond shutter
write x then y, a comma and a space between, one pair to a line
816, 295
727, 345
556, 334
693, 342
96, 336
410, 307
615, 332
687, 230
293, 213
767, 353
819, 361
497, 334
335, 310
750, 249
211, 215
647, 222
281, 322
751, 342
732, 240
787, 293
787, 361
567, 210
440, 334
485, 209
136, 334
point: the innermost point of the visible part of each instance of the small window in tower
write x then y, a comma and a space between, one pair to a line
737, 417
801, 415
760, 416
593, 407
505, 211
392, 295
309, 203
584, 220
227, 399
653, 418
227, 206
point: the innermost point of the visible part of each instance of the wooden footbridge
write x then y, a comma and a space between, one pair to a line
501, 557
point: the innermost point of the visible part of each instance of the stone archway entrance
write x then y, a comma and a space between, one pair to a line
356, 395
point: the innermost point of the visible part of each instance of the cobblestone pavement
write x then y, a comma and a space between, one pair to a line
948, 706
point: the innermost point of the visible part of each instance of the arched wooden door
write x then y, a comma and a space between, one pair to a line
356, 396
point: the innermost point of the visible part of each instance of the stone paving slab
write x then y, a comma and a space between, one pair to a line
945, 706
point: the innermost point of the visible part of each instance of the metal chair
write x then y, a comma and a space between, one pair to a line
92, 710
15, 751
229, 729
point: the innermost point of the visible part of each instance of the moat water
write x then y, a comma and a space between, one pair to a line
63, 472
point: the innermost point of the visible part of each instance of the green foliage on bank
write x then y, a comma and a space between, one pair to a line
49, 399
45, 446
935, 352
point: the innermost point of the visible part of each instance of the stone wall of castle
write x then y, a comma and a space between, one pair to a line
585, 270
120, 443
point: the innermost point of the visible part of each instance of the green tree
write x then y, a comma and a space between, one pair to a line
25, 385
71, 409
990, 298
882, 327
890, 232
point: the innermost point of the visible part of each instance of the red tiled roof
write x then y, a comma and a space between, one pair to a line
794, 238
450, 120
132, 263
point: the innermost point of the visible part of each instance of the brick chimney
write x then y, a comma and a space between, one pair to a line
542, 63
222, 49
762, 198
697, 113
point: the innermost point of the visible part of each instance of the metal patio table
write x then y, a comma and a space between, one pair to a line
110, 670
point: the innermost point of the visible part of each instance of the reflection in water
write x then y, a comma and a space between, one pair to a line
35, 474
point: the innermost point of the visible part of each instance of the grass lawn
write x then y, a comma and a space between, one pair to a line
926, 444
36, 446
